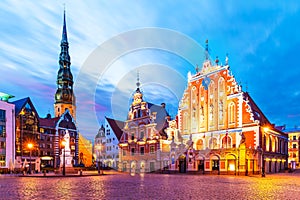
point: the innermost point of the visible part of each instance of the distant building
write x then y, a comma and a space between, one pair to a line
7, 133
142, 142
106, 146
294, 147
113, 133
99, 146
85, 151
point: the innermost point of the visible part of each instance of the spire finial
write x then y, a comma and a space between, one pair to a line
226, 59
64, 33
206, 49
197, 68
138, 81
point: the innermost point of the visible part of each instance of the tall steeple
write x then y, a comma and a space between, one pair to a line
64, 33
64, 96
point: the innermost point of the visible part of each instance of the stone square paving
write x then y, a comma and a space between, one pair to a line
151, 186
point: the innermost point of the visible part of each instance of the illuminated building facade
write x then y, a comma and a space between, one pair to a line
294, 147
27, 122
142, 141
224, 130
7, 133
85, 147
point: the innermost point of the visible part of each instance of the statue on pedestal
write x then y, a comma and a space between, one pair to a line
66, 156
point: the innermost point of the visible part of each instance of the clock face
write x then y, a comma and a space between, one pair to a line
29, 121
66, 96
206, 82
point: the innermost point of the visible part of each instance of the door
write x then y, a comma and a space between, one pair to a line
182, 164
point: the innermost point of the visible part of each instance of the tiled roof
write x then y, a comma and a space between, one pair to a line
257, 113
291, 130
116, 126
161, 114
48, 122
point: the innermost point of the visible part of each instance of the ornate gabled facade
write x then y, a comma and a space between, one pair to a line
226, 130
53, 131
143, 136
64, 96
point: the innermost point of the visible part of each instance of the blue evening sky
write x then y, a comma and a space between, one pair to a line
163, 40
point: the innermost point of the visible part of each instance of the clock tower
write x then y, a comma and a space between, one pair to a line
64, 96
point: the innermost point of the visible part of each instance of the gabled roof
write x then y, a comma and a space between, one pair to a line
19, 105
116, 126
257, 113
161, 114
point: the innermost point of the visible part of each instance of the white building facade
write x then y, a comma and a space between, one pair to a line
106, 148
7, 133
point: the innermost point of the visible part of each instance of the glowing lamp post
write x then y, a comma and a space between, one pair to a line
63, 144
30, 145
99, 154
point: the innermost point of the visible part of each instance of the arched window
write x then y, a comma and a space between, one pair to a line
199, 145
267, 142
226, 142
231, 113
221, 100
212, 104
185, 121
270, 143
213, 143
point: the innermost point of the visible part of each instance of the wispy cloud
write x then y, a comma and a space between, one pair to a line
262, 40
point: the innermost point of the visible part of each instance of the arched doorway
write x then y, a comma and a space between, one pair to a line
231, 164
182, 164
200, 163
133, 167
215, 164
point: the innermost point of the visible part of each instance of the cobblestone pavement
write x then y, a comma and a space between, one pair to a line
151, 186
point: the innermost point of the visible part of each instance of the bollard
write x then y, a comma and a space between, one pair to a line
44, 172
80, 172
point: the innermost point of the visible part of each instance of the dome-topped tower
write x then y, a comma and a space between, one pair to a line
64, 96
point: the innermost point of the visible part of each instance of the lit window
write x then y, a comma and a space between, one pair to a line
152, 149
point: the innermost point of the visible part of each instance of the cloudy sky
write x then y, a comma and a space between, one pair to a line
162, 40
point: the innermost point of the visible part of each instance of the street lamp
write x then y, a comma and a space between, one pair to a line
30, 145
263, 164
99, 154
63, 144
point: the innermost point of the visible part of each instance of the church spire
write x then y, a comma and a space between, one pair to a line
64, 96
138, 82
64, 32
